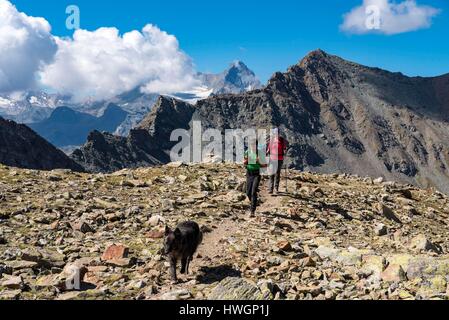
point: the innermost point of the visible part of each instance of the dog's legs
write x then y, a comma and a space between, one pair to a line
173, 269
184, 265
189, 259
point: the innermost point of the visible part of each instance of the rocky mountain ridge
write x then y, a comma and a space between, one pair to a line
22, 147
344, 117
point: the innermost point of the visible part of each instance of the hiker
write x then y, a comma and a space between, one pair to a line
276, 150
254, 161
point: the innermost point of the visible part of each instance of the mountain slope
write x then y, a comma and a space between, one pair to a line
67, 127
22, 147
144, 146
343, 117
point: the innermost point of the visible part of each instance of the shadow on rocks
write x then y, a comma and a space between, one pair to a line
209, 275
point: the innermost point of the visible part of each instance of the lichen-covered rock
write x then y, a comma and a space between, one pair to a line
237, 289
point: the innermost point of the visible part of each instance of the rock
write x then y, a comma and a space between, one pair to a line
136, 285
237, 289
314, 291
405, 295
20, 265
154, 221
394, 273
122, 263
155, 234
177, 164
373, 264
235, 196
402, 260
381, 230
115, 252
82, 227
350, 257
12, 282
284, 246
53, 280
379, 180
421, 243
438, 284
2, 241
43, 258
182, 294
267, 287
10, 294
4, 269
387, 212
423, 267
325, 252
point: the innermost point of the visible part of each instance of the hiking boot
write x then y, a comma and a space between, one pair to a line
252, 214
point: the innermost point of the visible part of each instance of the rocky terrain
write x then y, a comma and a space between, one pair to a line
329, 237
342, 117
22, 147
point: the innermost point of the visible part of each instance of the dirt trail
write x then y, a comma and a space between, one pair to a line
213, 252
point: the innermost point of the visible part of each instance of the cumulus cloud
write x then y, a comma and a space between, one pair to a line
101, 64
388, 17
93, 65
26, 44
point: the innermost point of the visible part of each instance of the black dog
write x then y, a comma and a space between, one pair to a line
182, 244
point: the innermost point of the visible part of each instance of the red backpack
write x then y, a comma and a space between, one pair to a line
277, 149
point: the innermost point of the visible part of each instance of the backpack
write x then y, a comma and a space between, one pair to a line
277, 148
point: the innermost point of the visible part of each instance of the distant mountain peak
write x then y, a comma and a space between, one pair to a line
237, 78
239, 65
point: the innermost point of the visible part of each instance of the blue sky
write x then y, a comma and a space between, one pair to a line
268, 35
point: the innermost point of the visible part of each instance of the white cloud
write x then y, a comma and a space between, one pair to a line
25, 45
394, 17
90, 65
101, 64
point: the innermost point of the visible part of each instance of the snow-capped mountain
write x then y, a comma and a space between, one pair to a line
30, 107
35, 107
238, 78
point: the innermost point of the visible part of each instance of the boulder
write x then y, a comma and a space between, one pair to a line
12, 282
115, 252
422, 243
380, 230
394, 273
82, 226
387, 212
237, 289
373, 264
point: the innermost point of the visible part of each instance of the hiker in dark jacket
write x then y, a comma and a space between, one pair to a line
276, 149
254, 161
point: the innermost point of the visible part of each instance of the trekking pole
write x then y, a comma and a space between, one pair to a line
286, 175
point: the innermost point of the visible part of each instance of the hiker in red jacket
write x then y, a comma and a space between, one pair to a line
276, 149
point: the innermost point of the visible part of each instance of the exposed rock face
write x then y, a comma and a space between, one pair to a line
22, 147
343, 117
146, 145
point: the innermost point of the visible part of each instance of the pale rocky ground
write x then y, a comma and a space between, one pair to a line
330, 237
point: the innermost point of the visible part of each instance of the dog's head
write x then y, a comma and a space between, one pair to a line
172, 240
